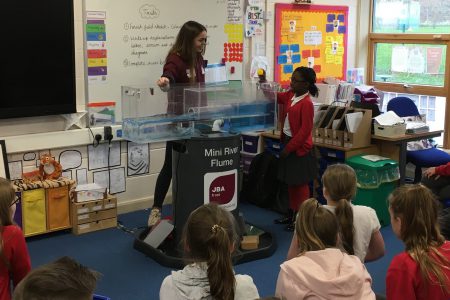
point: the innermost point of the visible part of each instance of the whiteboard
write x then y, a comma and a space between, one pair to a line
139, 33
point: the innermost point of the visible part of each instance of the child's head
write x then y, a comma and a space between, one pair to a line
339, 182
61, 279
190, 41
7, 206
210, 236
303, 80
414, 214
316, 227
414, 205
339, 186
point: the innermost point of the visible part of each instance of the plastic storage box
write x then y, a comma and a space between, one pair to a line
250, 142
273, 146
376, 180
246, 160
149, 114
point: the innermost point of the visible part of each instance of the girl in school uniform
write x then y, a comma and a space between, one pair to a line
209, 239
423, 270
184, 65
321, 270
359, 225
297, 164
14, 258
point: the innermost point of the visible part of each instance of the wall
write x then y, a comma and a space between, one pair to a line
45, 134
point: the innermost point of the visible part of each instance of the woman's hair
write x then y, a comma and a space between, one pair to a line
417, 209
184, 43
340, 183
7, 195
316, 227
209, 235
309, 76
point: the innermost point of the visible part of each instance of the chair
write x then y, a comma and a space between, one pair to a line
433, 157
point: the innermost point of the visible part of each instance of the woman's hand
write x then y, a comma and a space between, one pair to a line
163, 82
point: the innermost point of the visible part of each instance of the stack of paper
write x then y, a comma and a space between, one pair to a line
416, 127
389, 118
353, 120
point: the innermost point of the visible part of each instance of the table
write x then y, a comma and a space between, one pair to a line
348, 152
395, 147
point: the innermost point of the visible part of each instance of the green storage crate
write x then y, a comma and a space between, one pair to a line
376, 180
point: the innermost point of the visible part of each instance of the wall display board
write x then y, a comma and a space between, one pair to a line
127, 41
313, 36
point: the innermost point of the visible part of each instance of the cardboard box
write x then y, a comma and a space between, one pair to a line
362, 136
250, 242
390, 131
338, 115
88, 192
319, 131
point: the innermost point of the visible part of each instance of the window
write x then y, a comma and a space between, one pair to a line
408, 54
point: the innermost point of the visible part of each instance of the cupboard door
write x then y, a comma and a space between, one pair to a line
34, 214
58, 211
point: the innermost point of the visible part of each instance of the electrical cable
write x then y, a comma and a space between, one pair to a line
95, 139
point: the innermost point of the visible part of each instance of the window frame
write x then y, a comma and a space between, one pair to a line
411, 38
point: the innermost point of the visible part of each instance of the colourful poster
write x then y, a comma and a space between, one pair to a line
310, 35
97, 60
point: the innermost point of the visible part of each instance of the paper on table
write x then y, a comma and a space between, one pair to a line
374, 157
389, 118
353, 120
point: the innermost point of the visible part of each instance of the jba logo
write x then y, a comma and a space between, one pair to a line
221, 188
218, 189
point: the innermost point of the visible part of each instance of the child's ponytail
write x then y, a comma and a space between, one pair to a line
344, 214
209, 236
316, 227
339, 180
220, 268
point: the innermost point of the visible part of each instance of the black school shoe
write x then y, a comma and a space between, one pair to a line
290, 227
283, 220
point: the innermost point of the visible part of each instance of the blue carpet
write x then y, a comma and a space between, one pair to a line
129, 274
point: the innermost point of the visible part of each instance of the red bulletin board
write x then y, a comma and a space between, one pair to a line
313, 36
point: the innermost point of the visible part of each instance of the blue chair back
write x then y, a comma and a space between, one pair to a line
403, 107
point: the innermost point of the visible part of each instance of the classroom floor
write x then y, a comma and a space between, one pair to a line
129, 274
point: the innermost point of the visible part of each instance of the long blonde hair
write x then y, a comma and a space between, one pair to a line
340, 183
208, 235
316, 227
417, 209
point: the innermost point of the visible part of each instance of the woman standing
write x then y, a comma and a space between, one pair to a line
184, 64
